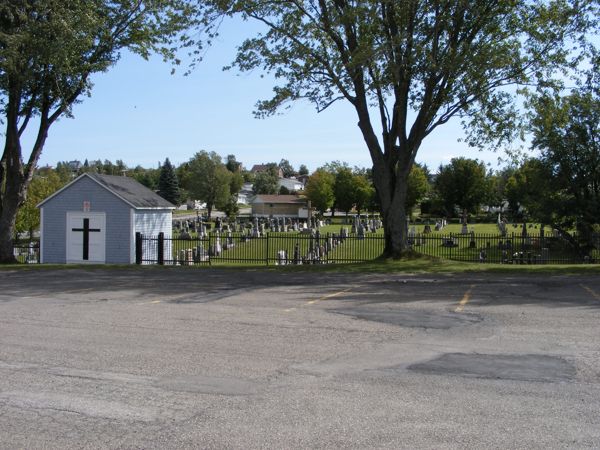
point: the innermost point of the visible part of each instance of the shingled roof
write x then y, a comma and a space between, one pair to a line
127, 189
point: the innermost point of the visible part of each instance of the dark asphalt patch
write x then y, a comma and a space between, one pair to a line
412, 318
506, 367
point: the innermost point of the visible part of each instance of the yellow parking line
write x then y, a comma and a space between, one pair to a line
591, 291
325, 297
464, 300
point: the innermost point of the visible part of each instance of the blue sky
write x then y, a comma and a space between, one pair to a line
140, 113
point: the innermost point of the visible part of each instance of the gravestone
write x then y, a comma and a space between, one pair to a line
343, 233
361, 231
200, 254
281, 258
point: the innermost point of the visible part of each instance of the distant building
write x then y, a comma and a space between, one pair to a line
246, 194
195, 204
279, 206
302, 179
74, 166
94, 219
291, 184
259, 168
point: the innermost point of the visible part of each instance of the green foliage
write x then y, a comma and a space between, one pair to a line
286, 168
236, 181
303, 170
365, 195
265, 183
566, 131
418, 187
45, 183
147, 177
49, 51
344, 189
207, 179
168, 184
319, 190
232, 164
409, 67
462, 184
531, 187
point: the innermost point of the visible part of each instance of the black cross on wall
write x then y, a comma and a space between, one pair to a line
86, 237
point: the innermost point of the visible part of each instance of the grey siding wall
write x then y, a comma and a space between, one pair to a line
118, 221
150, 223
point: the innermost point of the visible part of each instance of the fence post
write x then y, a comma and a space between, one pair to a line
161, 248
267, 254
138, 248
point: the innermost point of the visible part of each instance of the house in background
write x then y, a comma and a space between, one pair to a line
279, 206
94, 219
259, 168
246, 194
291, 184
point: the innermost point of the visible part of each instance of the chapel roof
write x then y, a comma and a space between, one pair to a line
127, 189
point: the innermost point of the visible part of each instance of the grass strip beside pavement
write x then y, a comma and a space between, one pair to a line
413, 263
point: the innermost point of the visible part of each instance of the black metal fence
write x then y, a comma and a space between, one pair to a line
304, 248
270, 248
28, 253
509, 249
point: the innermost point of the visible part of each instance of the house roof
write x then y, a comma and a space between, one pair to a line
291, 183
279, 199
258, 168
127, 189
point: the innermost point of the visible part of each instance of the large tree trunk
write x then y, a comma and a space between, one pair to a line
393, 209
15, 177
12, 195
7, 224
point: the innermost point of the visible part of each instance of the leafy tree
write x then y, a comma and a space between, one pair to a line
168, 184
43, 184
286, 168
303, 170
283, 190
365, 196
265, 182
148, 177
207, 179
236, 181
319, 190
462, 184
49, 51
335, 166
232, 164
566, 131
344, 189
418, 63
530, 187
231, 208
418, 186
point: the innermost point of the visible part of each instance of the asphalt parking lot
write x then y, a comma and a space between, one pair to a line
107, 358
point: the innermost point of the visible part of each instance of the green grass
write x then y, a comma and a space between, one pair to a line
414, 264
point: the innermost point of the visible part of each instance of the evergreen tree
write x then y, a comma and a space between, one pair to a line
168, 185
